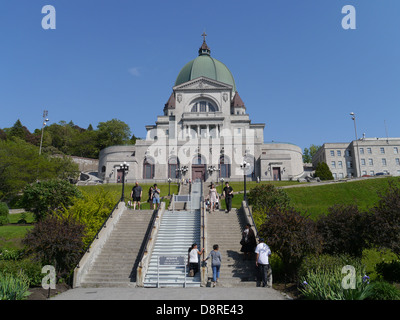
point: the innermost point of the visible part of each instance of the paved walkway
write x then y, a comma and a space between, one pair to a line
206, 293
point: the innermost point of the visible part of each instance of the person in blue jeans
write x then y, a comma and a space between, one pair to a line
215, 256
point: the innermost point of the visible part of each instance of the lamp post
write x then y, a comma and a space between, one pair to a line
244, 167
45, 120
222, 185
211, 169
353, 117
124, 167
169, 186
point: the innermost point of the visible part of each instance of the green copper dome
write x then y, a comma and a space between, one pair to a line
205, 66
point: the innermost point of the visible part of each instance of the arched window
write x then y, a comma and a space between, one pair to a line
148, 168
203, 106
224, 167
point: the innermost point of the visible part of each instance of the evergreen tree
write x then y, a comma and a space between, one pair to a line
323, 172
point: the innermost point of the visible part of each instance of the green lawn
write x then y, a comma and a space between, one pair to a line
12, 234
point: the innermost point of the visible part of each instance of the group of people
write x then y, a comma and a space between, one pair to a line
249, 246
212, 202
153, 199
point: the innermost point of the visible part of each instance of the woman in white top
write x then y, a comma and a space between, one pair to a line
194, 259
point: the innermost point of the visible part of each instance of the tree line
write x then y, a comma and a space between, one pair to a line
70, 139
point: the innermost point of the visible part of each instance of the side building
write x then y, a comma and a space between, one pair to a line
362, 157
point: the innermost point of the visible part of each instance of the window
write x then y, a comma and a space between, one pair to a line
372, 172
339, 153
340, 164
370, 162
341, 175
333, 164
332, 153
334, 176
224, 167
348, 153
397, 162
395, 150
148, 169
349, 164
361, 150
364, 173
383, 161
382, 150
363, 162
203, 106
369, 151
173, 166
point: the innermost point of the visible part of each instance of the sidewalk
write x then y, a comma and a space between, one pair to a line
206, 293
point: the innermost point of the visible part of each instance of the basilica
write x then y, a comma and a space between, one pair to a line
205, 133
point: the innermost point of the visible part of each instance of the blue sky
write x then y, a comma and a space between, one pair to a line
295, 67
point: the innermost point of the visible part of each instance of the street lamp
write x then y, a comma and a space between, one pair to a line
211, 169
124, 167
244, 167
169, 186
222, 184
353, 117
45, 120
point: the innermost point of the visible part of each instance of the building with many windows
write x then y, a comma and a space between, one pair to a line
366, 156
204, 133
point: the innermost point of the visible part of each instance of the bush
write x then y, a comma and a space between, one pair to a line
323, 172
291, 235
4, 212
13, 288
390, 270
31, 269
91, 210
371, 258
46, 196
385, 224
343, 230
57, 242
10, 254
264, 197
382, 290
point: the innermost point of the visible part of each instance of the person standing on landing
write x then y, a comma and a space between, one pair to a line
136, 195
228, 192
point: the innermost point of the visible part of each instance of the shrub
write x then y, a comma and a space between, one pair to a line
4, 212
323, 172
382, 290
385, 224
390, 270
31, 269
291, 235
46, 196
264, 197
371, 258
91, 210
343, 230
10, 254
13, 288
56, 241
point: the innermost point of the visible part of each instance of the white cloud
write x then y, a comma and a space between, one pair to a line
134, 71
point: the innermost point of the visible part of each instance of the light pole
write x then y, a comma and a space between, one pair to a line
244, 167
169, 186
211, 169
353, 117
45, 120
222, 185
124, 167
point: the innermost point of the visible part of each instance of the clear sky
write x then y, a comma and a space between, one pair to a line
295, 67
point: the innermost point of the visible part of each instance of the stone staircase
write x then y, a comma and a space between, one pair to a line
225, 229
116, 264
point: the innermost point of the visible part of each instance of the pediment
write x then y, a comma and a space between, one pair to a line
202, 83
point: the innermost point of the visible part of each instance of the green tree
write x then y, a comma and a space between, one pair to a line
45, 197
323, 172
309, 153
113, 132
